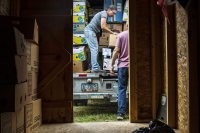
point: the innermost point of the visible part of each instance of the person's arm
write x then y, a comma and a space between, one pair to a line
115, 55
104, 26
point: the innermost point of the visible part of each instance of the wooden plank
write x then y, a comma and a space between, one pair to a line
194, 62
56, 40
57, 111
171, 69
15, 7
140, 61
157, 37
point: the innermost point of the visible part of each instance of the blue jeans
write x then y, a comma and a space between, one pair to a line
122, 88
94, 47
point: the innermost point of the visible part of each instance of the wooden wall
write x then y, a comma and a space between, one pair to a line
146, 59
193, 11
55, 65
182, 69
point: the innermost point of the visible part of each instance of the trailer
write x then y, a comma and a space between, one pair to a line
94, 86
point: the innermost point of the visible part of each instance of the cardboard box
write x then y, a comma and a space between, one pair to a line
78, 28
32, 82
27, 25
79, 8
4, 7
13, 122
112, 40
115, 27
107, 64
28, 52
13, 69
125, 13
33, 116
80, 19
79, 53
21, 67
104, 39
13, 97
105, 34
12, 41
32, 68
80, 66
8, 122
79, 39
34, 56
20, 121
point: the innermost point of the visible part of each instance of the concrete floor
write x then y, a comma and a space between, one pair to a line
93, 127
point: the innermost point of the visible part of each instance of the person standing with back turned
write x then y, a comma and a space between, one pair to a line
97, 23
121, 52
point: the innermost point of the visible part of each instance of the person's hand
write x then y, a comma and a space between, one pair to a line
112, 73
115, 30
115, 33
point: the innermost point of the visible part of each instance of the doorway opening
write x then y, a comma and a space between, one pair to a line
95, 95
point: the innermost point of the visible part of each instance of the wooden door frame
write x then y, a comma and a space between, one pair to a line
156, 40
137, 37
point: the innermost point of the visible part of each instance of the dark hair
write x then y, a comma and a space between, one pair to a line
112, 7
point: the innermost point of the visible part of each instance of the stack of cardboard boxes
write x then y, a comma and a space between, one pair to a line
5, 7
79, 22
79, 41
107, 41
19, 55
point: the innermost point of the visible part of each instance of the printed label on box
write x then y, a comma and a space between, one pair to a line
79, 7
78, 19
79, 39
79, 53
78, 28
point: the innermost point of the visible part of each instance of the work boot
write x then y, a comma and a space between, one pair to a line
120, 117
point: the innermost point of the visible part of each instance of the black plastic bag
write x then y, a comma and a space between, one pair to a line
159, 127
155, 126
